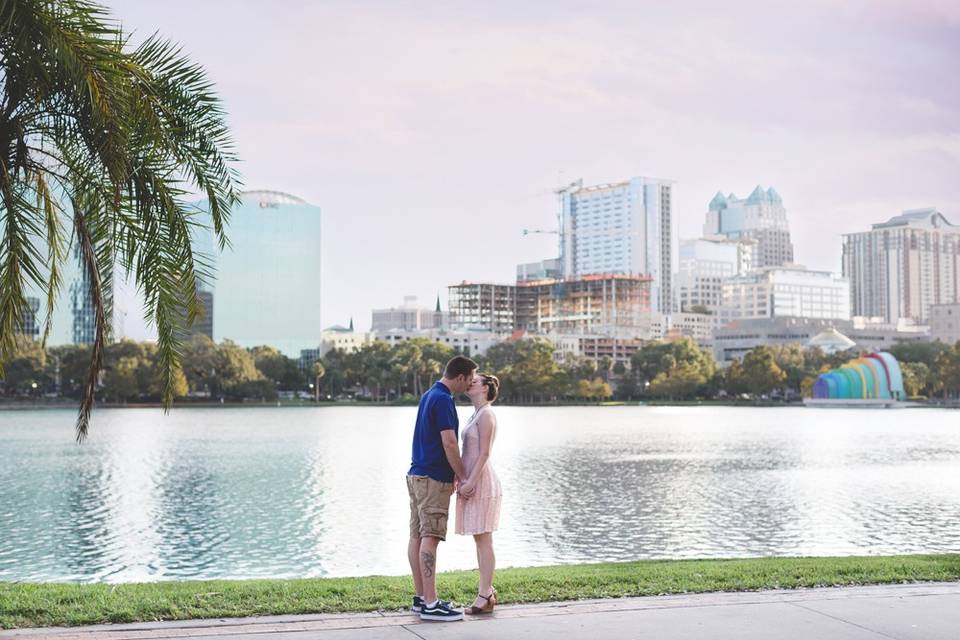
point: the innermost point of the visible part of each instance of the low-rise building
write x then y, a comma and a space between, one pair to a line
945, 322
336, 337
732, 341
469, 342
595, 347
787, 291
699, 327
408, 317
704, 265
879, 335
343, 338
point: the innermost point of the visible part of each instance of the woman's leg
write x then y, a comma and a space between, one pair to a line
488, 563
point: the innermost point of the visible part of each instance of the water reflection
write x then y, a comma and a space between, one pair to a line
86, 548
215, 494
187, 518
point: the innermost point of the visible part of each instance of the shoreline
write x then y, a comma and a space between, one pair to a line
73, 406
24, 605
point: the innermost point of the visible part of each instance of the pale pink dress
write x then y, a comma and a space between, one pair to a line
480, 513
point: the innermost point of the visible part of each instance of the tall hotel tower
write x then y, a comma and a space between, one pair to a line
621, 228
903, 266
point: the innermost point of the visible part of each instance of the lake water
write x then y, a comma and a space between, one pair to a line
291, 492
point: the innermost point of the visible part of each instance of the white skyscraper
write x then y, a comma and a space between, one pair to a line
622, 228
903, 266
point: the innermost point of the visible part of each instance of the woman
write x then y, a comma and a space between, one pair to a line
478, 496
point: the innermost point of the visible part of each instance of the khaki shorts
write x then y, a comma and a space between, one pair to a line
429, 505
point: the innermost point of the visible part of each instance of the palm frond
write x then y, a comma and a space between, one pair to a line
87, 238
124, 136
52, 211
19, 264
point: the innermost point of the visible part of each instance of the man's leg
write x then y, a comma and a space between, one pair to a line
413, 555
413, 545
428, 568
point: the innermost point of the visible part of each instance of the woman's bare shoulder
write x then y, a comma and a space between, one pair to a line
487, 416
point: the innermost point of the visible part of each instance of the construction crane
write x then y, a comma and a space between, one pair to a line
576, 185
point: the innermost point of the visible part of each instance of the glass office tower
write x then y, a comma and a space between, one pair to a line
266, 284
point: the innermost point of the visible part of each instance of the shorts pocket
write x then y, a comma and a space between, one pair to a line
434, 522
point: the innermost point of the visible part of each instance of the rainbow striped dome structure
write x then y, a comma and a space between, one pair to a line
875, 376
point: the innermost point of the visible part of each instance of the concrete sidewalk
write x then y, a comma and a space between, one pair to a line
929, 611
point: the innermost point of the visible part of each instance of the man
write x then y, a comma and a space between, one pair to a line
436, 463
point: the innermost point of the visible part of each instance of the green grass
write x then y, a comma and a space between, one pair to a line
31, 605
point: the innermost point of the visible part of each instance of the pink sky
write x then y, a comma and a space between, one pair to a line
431, 134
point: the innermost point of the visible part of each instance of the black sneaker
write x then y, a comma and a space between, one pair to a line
441, 612
418, 604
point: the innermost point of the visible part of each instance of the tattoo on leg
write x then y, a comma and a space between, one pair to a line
427, 561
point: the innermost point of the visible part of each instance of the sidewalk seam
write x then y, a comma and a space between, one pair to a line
403, 626
852, 624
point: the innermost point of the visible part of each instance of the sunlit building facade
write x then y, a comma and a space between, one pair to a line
786, 291
469, 342
704, 265
625, 228
595, 347
408, 317
266, 284
903, 266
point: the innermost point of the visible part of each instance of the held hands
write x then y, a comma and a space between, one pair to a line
466, 488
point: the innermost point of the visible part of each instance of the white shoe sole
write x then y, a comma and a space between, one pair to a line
436, 618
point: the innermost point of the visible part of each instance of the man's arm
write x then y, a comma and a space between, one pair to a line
452, 449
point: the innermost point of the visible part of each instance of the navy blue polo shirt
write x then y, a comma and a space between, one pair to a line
437, 412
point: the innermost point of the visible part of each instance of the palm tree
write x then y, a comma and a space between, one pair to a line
407, 358
318, 372
101, 146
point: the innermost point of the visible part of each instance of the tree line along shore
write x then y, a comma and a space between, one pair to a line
668, 371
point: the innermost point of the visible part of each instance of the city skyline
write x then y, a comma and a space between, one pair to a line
430, 133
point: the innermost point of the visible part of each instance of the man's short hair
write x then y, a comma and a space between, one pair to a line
459, 366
